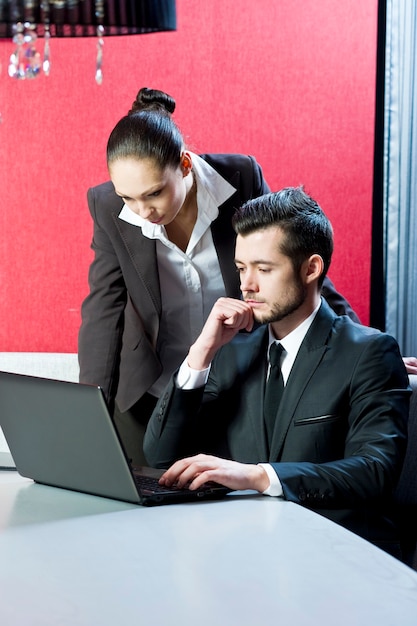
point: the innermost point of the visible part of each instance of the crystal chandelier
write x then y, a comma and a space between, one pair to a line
25, 21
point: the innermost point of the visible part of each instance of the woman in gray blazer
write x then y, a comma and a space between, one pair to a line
163, 253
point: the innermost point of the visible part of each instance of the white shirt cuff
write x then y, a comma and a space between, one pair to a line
275, 487
188, 378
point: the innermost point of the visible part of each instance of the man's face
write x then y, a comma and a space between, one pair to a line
267, 278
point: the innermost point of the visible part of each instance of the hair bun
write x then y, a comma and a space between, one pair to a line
153, 99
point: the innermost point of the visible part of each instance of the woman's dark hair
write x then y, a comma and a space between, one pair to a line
307, 229
147, 131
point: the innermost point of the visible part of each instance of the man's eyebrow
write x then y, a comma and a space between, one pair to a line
256, 262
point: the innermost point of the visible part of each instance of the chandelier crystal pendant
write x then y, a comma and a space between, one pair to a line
26, 61
26, 21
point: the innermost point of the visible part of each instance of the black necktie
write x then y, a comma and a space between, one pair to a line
273, 389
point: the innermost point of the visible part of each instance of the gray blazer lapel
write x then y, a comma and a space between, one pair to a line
142, 252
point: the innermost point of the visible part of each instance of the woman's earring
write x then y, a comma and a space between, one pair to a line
186, 163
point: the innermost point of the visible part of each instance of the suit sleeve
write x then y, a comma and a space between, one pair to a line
102, 311
172, 431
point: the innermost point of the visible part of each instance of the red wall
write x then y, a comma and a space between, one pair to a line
292, 83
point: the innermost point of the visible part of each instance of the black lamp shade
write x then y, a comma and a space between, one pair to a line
80, 18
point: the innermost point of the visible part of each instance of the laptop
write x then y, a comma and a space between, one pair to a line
61, 434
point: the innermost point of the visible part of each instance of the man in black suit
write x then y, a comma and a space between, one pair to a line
338, 435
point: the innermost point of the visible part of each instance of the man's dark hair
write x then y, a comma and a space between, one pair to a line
307, 229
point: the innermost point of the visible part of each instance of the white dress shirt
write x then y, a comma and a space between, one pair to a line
190, 281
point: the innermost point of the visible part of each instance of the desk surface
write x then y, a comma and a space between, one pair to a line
78, 560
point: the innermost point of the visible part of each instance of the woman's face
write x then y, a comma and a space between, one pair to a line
155, 195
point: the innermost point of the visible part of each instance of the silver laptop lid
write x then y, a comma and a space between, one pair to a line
61, 434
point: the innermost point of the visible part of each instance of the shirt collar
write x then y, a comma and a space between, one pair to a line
292, 342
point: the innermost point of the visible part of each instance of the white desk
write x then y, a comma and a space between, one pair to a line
70, 559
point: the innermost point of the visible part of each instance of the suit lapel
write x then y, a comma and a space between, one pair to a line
254, 389
142, 252
309, 357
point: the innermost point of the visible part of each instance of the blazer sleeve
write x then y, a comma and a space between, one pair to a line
338, 303
259, 184
172, 432
100, 333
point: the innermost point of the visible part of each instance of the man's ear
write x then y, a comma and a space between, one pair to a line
314, 267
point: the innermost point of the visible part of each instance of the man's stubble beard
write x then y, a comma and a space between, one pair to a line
295, 299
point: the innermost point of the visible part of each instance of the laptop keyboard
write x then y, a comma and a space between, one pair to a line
149, 483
